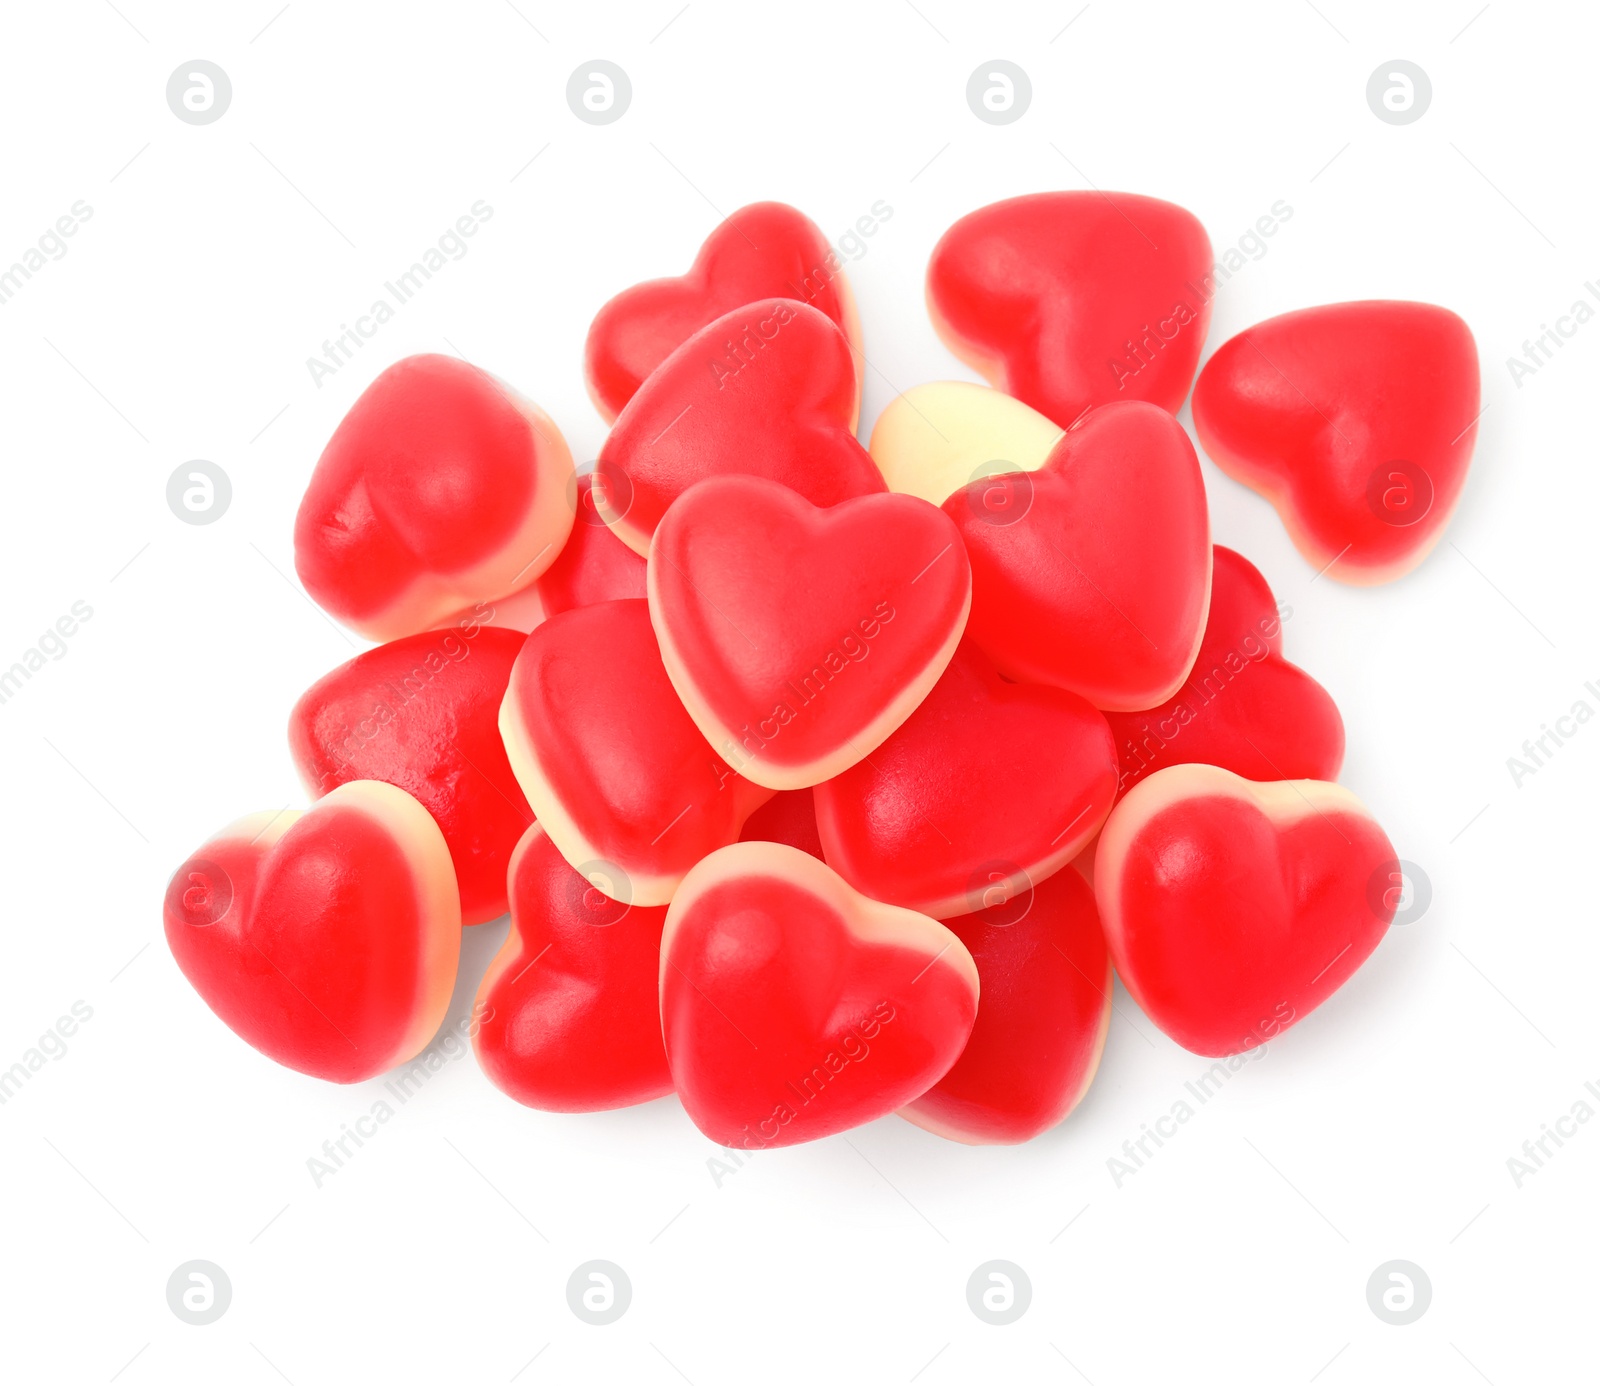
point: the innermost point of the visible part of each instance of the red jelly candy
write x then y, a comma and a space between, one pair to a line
1072, 299
1041, 1028
794, 1007
1244, 707
422, 713
1233, 909
1093, 573
442, 488
1356, 420
571, 1020
594, 566
766, 390
765, 250
988, 785
616, 771
790, 817
800, 638
327, 939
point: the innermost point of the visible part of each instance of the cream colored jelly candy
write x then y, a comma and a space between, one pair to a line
936, 438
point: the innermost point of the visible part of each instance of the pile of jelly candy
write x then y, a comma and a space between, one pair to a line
825, 781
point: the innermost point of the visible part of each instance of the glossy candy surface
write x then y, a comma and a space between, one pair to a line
765, 250
794, 1007
768, 390
1356, 420
1044, 1007
1093, 573
987, 785
800, 638
1072, 299
1232, 909
594, 566
936, 438
612, 765
441, 488
790, 817
326, 939
1244, 706
422, 713
570, 1012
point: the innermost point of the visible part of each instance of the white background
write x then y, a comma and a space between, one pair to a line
178, 325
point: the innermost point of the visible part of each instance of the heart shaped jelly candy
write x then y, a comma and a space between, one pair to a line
765, 250
800, 638
422, 713
794, 1007
440, 489
1232, 909
988, 783
571, 1020
594, 566
1244, 706
612, 765
1072, 299
1041, 1028
326, 939
767, 390
1356, 420
936, 438
1093, 573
